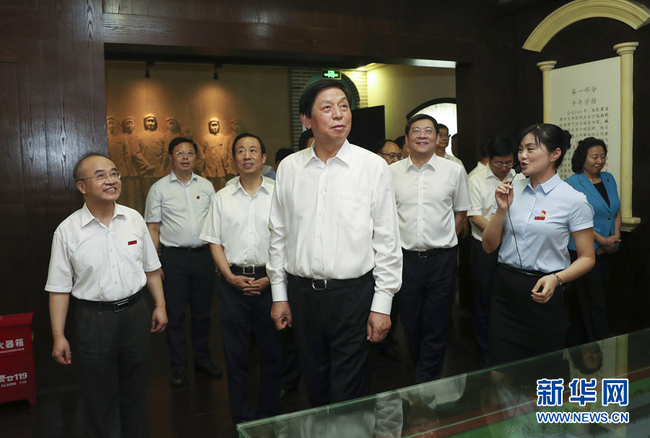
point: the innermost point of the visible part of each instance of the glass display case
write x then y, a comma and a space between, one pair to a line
601, 389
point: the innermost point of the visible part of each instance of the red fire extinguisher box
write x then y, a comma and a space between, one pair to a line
17, 379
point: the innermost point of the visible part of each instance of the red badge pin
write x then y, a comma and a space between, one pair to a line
133, 242
198, 197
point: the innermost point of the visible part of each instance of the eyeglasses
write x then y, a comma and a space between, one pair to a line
100, 177
500, 165
418, 131
392, 155
188, 153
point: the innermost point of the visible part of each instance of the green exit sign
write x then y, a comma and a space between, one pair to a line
331, 74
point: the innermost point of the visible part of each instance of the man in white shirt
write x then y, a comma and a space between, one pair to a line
238, 231
389, 151
482, 187
176, 209
103, 255
334, 260
443, 142
432, 201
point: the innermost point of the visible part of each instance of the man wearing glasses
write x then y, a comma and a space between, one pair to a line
482, 186
389, 151
443, 142
432, 202
176, 209
103, 255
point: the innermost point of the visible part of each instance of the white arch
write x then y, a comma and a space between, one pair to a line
631, 13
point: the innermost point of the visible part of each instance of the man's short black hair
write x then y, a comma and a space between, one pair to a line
417, 117
306, 102
282, 153
381, 143
399, 141
443, 126
178, 140
304, 139
244, 135
500, 146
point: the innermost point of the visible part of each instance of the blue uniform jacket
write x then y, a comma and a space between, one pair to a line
604, 215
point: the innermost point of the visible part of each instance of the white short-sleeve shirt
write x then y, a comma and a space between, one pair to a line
240, 223
99, 263
180, 209
426, 201
543, 220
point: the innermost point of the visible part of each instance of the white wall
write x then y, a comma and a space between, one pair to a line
401, 88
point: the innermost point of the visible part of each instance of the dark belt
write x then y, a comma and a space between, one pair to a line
325, 284
525, 272
112, 306
426, 253
248, 270
187, 248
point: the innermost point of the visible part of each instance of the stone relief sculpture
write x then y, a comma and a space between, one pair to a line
116, 149
151, 147
212, 149
142, 156
133, 165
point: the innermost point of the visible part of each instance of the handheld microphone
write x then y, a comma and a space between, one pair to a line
517, 172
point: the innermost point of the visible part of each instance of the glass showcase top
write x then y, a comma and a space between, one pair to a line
601, 389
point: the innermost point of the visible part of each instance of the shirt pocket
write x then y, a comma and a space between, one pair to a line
134, 255
354, 210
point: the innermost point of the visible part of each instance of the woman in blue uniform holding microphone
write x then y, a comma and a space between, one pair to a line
532, 224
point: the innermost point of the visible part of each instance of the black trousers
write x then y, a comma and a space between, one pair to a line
114, 350
521, 328
240, 316
189, 279
484, 267
330, 328
427, 292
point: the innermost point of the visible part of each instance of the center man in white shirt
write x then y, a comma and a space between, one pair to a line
238, 231
432, 202
335, 260
176, 209
482, 187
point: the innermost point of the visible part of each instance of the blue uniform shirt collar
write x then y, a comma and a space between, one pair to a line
547, 186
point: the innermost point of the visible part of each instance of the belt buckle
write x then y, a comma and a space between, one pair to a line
423, 254
121, 305
319, 284
248, 270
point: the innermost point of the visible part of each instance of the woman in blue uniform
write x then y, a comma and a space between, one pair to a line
533, 222
600, 189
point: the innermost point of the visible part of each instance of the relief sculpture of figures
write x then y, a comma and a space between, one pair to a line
173, 131
152, 148
116, 149
212, 149
227, 160
133, 162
